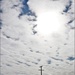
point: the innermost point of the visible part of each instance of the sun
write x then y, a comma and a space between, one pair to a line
48, 23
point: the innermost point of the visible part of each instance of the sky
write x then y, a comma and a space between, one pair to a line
37, 33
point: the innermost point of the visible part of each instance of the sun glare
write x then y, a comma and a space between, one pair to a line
48, 23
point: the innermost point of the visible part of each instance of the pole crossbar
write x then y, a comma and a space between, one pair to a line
41, 69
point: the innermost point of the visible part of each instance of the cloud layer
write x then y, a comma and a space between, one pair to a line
23, 50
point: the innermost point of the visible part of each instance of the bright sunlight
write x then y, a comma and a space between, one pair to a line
48, 23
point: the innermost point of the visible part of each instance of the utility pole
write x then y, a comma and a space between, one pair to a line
41, 69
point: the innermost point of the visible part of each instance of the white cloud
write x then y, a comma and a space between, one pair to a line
22, 52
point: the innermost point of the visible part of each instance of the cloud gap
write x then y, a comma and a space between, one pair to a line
0, 24
68, 7
71, 58
25, 9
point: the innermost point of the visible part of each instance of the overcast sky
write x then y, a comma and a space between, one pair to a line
24, 48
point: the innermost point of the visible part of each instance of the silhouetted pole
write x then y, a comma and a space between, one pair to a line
41, 69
